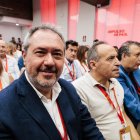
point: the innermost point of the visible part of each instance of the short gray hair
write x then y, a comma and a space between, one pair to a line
93, 53
50, 27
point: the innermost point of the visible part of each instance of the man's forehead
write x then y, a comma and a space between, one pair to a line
134, 47
105, 49
73, 47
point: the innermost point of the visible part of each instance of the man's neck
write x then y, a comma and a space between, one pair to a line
47, 92
100, 79
70, 61
127, 69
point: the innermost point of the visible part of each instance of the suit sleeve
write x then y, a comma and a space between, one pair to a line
89, 128
86, 126
131, 102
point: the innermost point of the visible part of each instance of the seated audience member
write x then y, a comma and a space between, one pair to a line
4, 77
82, 59
129, 56
13, 40
71, 69
19, 41
13, 51
103, 94
39, 105
11, 48
21, 65
0, 36
9, 63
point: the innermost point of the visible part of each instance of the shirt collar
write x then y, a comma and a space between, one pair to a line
68, 62
55, 90
95, 83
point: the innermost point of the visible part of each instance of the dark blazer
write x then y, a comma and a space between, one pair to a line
24, 117
131, 97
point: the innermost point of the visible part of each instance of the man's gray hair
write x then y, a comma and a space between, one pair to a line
52, 28
93, 53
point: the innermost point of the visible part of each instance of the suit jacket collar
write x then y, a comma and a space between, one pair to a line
30, 101
135, 73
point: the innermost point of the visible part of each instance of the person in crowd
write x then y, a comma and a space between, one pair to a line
19, 41
13, 40
39, 105
0, 36
11, 48
82, 59
19, 44
71, 69
4, 77
9, 63
103, 94
129, 56
21, 65
19, 47
12, 51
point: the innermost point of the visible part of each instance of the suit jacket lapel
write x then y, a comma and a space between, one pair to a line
30, 101
68, 115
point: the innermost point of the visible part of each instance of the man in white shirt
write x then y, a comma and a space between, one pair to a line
102, 93
39, 105
71, 69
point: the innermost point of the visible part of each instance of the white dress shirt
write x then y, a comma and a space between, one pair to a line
74, 67
51, 105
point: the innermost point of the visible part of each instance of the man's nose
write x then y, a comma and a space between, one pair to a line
73, 52
49, 60
117, 62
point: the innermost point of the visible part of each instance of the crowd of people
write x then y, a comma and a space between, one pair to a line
57, 90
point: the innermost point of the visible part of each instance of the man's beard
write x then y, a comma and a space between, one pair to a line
2, 56
46, 82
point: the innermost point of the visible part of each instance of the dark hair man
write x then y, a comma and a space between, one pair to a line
39, 106
129, 56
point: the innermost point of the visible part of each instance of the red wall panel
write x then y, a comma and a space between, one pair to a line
118, 22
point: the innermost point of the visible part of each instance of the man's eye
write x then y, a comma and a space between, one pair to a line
110, 58
58, 54
137, 55
39, 52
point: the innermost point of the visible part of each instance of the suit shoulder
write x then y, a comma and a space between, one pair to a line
65, 84
68, 88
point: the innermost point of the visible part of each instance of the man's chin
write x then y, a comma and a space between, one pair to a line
47, 83
116, 75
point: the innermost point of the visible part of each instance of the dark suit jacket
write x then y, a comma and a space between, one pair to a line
24, 117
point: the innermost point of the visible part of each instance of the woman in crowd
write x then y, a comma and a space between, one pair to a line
82, 58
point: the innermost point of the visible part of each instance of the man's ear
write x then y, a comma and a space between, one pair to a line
92, 64
124, 55
24, 53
